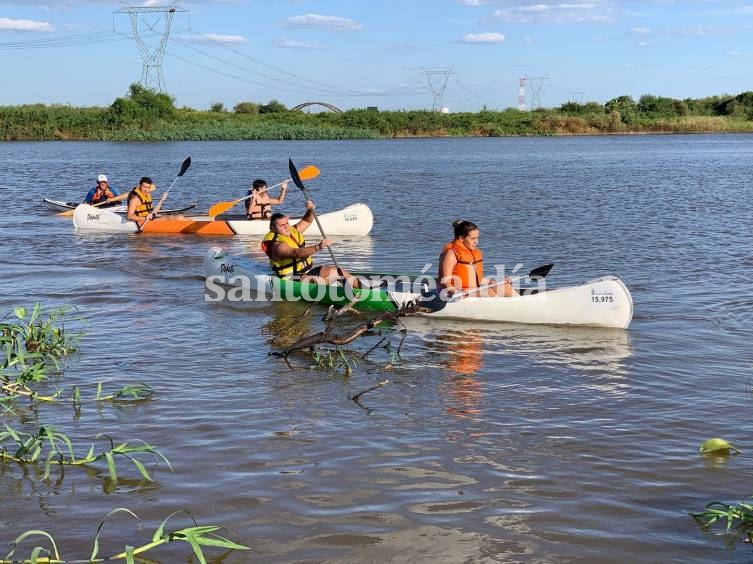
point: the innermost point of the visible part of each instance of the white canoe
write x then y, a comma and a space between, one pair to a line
61, 206
355, 219
604, 302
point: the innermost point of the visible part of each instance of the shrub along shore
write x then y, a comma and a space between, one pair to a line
144, 115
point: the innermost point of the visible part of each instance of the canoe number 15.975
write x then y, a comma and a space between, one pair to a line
601, 297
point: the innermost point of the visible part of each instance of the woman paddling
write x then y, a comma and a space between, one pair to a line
461, 265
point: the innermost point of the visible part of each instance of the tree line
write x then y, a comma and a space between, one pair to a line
143, 114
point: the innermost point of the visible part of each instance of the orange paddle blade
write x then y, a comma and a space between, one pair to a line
306, 173
221, 207
67, 213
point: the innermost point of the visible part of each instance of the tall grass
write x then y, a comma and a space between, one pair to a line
43, 123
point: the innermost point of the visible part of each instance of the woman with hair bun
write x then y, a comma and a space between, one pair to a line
461, 264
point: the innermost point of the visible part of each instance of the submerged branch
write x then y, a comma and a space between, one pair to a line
328, 336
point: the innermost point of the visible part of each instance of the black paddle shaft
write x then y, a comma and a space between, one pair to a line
434, 302
298, 182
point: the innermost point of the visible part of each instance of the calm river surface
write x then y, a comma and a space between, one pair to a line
491, 443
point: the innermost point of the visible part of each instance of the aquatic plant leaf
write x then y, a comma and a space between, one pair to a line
717, 446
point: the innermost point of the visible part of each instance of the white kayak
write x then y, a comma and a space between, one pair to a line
604, 302
355, 219
61, 206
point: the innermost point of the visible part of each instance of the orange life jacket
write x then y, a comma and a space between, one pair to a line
102, 196
146, 206
256, 209
469, 269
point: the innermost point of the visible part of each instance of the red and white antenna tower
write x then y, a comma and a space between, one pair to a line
522, 94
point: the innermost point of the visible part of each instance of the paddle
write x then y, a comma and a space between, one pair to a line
297, 179
114, 199
183, 169
307, 173
435, 302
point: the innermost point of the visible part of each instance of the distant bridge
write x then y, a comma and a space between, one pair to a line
322, 104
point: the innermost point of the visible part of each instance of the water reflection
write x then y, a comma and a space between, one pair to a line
586, 349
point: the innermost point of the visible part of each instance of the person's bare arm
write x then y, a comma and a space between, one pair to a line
131, 211
307, 219
279, 250
281, 198
447, 262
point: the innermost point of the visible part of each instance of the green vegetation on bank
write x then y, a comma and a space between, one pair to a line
35, 346
144, 115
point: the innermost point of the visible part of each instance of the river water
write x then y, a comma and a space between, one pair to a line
490, 442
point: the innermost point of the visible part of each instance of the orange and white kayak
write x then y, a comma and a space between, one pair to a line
355, 219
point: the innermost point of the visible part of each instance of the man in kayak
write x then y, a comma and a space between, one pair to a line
140, 206
461, 265
259, 205
102, 193
290, 256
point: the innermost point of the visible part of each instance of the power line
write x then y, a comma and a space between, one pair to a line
96, 37
485, 100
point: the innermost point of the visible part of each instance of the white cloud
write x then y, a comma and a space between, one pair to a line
25, 25
213, 38
528, 40
595, 11
486, 37
331, 23
641, 30
705, 31
290, 44
474, 2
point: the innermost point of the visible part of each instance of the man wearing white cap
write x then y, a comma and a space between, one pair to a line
102, 193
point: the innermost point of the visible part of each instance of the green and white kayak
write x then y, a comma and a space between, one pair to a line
603, 302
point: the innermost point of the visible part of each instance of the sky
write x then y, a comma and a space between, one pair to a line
464, 55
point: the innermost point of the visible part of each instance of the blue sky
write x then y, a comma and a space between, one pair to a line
384, 53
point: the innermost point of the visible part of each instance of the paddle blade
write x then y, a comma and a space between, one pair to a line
309, 172
540, 271
221, 207
294, 175
67, 213
184, 166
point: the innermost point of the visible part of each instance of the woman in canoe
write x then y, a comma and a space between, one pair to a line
461, 265
290, 256
259, 205
140, 205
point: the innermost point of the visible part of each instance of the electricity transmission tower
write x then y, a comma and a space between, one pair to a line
437, 81
576, 97
151, 71
537, 83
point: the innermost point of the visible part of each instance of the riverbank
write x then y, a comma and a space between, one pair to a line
148, 116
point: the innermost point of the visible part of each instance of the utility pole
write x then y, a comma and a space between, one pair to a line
537, 83
437, 81
522, 94
151, 71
